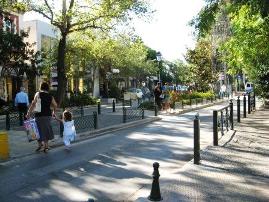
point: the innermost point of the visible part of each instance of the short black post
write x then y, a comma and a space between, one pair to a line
196, 150
143, 113
113, 105
238, 109
61, 126
7, 121
81, 111
21, 118
99, 107
249, 103
124, 114
215, 128
245, 106
155, 194
130, 102
231, 114
95, 120
156, 110
254, 101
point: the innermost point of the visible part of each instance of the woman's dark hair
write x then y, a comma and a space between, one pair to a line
67, 116
44, 86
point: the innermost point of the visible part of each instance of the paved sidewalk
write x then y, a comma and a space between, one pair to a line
237, 170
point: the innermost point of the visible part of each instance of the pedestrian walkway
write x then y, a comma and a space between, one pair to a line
237, 170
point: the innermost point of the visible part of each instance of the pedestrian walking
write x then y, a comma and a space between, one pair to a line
158, 95
69, 132
43, 117
22, 102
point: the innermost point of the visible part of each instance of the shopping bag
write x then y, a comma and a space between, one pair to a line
31, 130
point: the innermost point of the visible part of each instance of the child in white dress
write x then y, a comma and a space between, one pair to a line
69, 132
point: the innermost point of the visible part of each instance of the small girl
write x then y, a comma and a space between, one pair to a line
69, 132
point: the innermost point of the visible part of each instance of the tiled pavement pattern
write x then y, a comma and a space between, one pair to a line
237, 170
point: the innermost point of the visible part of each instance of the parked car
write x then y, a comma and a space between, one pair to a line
135, 92
249, 87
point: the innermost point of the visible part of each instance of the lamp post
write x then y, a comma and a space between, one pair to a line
159, 59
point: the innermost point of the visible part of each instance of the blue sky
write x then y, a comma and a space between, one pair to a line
168, 32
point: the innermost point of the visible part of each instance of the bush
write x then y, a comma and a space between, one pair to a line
114, 92
149, 105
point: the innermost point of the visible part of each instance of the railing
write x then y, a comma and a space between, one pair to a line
132, 114
222, 121
193, 102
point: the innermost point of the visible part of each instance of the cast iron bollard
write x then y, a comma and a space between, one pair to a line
124, 114
156, 110
95, 120
254, 101
7, 121
215, 128
155, 194
99, 107
196, 150
113, 105
231, 114
238, 109
249, 104
245, 106
143, 113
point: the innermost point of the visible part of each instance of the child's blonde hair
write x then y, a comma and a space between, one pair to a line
67, 115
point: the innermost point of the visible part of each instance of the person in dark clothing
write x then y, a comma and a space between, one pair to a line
43, 118
157, 94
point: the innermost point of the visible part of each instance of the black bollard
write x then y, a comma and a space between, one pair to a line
215, 128
61, 126
245, 106
95, 120
254, 101
7, 121
155, 194
156, 110
143, 113
99, 108
249, 103
124, 110
238, 109
113, 105
196, 150
81, 111
231, 114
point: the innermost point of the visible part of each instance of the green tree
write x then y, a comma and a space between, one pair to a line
201, 67
75, 16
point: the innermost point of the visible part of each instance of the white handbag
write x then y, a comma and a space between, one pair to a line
37, 108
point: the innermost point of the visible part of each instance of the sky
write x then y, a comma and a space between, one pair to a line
168, 31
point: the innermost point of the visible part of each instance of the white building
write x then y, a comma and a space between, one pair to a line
44, 35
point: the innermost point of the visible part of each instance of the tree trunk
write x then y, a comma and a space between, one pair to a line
61, 70
96, 82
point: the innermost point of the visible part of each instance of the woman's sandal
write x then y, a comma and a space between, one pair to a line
46, 150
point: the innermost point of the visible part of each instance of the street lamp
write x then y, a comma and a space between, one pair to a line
159, 59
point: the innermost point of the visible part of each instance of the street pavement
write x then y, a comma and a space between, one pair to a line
118, 165
112, 167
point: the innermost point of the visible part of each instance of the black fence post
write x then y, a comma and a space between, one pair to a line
232, 114
113, 105
95, 120
156, 110
215, 128
81, 111
7, 121
61, 126
245, 106
124, 114
21, 115
99, 107
238, 109
249, 103
196, 130
155, 194
143, 113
